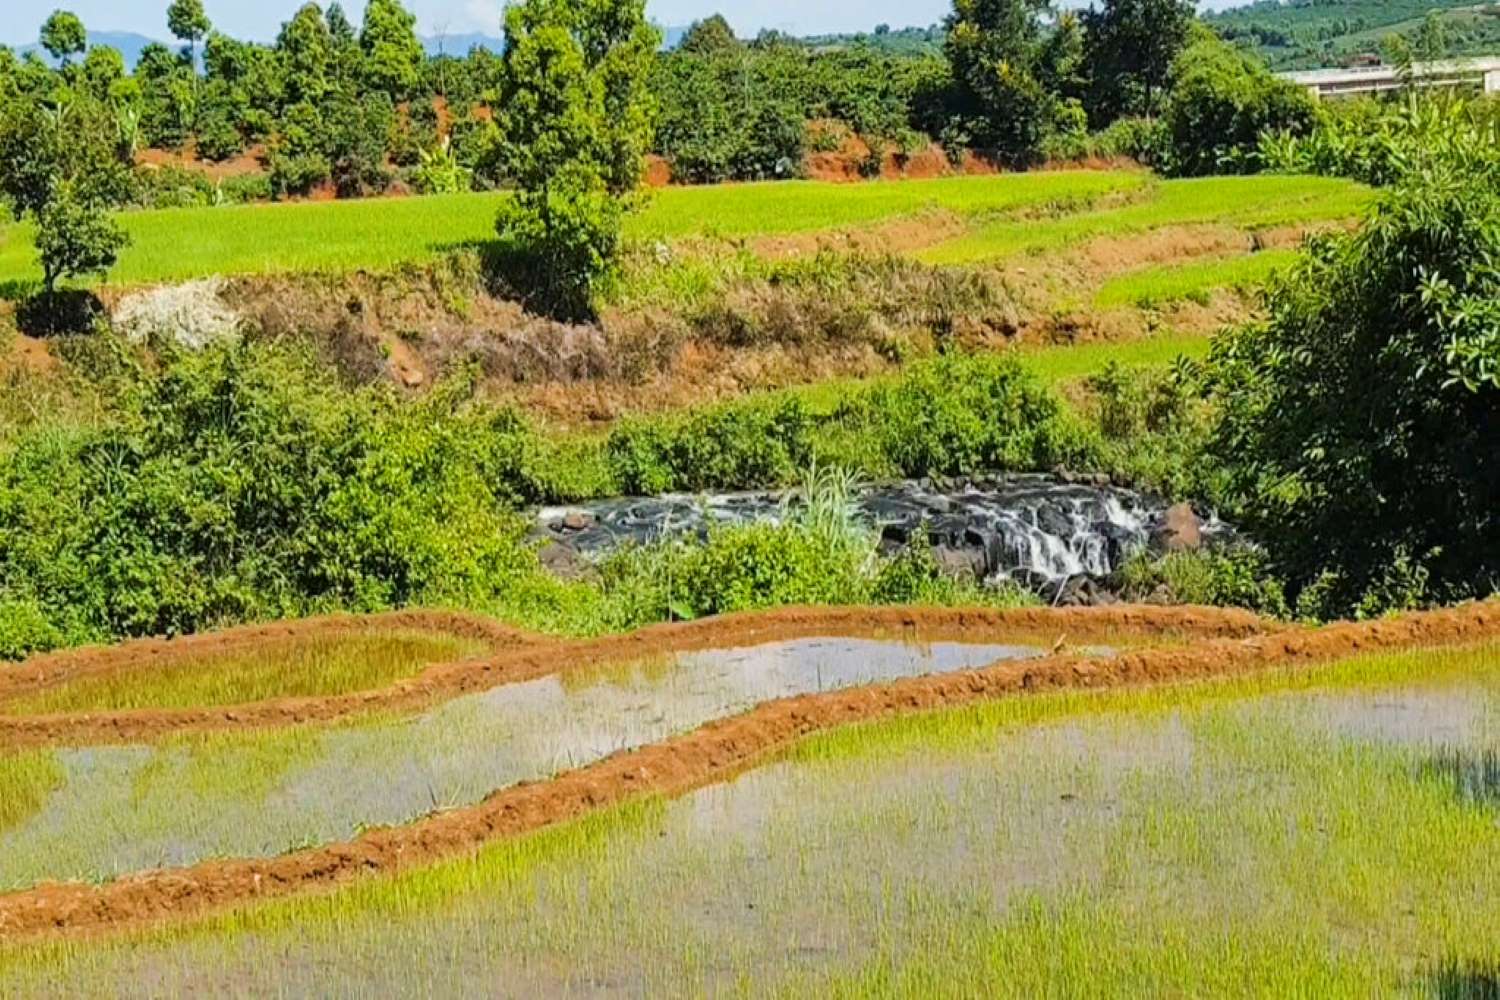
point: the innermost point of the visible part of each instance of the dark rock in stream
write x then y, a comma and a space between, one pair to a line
1057, 537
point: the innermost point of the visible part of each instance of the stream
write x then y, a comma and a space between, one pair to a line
1036, 530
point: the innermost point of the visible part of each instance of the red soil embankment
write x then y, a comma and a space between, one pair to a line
521, 656
713, 753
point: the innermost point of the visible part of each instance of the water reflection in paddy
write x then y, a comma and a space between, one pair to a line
1289, 834
124, 809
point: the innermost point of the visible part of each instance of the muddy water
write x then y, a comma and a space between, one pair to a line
1261, 815
125, 809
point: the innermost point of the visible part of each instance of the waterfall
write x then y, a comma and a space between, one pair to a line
1030, 529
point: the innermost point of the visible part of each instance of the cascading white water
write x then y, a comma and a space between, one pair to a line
1033, 530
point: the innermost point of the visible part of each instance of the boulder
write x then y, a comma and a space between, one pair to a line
1181, 530
577, 520
962, 564
566, 564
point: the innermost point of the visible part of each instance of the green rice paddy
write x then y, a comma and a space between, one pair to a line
1250, 203
299, 667
1009, 214
1330, 832
385, 232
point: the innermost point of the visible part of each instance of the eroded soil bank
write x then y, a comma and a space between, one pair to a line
710, 754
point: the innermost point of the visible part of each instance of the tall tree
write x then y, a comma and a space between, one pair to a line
62, 168
710, 35
577, 121
188, 22
1130, 48
393, 54
305, 46
63, 36
993, 48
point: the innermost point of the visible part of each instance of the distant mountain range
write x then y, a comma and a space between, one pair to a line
130, 43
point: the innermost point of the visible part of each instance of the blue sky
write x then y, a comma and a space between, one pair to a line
261, 18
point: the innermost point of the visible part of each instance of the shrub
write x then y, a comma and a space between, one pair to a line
1359, 421
1381, 142
1237, 577
738, 445
1222, 101
960, 413
244, 483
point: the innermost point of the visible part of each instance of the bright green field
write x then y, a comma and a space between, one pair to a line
1158, 286
1250, 203
178, 244
1322, 833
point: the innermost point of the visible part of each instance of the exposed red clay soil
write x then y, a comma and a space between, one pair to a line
530, 657
713, 753
186, 158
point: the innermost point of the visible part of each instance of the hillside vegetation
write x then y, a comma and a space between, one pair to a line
1308, 34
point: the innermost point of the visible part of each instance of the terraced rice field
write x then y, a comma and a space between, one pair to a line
1117, 802
996, 218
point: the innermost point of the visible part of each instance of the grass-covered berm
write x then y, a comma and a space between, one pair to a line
1328, 828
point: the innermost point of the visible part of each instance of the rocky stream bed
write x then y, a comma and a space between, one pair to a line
1061, 535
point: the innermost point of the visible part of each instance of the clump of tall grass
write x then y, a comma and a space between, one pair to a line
816, 552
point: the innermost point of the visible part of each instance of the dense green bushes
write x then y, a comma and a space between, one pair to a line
1360, 423
725, 446
247, 483
1380, 142
960, 413
244, 484
1220, 104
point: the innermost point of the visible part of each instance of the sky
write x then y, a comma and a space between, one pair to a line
260, 19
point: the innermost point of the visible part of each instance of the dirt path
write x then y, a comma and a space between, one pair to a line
521, 657
713, 753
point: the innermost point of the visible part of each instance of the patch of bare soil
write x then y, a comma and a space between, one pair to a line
851, 162
186, 158
26, 354
521, 657
712, 753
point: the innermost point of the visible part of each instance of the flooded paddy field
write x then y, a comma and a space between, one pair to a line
308, 658
96, 813
1332, 831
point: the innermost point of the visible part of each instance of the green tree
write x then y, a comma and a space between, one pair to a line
577, 121
1130, 48
709, 36
393, 54
63, 36
188, 22
75, 236
1360, 421
305, 46
1221, 103
992, 48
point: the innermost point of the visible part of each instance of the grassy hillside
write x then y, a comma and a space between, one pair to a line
1305, 34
